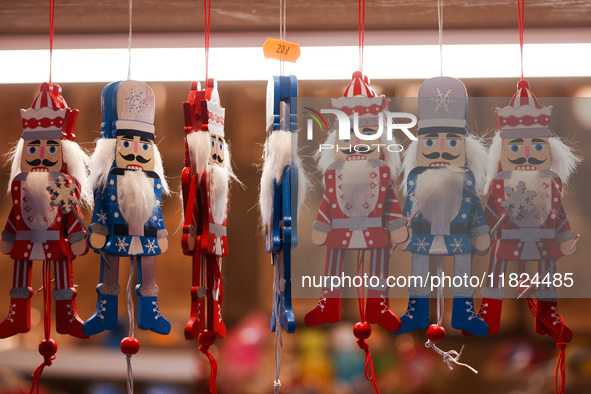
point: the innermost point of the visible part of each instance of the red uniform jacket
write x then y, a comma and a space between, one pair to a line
40, 238
380, 211
516, 239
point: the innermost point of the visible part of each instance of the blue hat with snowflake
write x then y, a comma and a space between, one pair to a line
127, 109
443, 106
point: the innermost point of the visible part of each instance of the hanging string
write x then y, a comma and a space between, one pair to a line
361, 23
48, 346
363, 345
282, 30
440, 298
440, 24
278, 334
129, 40
131, 320
51, 19
520, 14
206, 29
561, 344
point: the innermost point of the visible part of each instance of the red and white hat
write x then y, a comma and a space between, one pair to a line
524, 117
359, 97
49, 116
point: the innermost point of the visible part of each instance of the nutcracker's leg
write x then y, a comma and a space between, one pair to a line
215, 267
196, 323
67, 320
493, 294
378, 303
105, 316
463, 316
19, 314
148, 312
548, 320
417, 312
328, 309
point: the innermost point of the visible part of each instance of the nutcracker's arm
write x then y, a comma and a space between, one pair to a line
99, 227
9, 233
491, 214
74, 229
190, 191
323, 222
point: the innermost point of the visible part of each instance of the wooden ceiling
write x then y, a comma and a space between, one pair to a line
111, 16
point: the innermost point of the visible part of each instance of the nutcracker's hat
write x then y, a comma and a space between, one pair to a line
128, 108
49, 116
524, 116
443, 106
203, 110
359, 97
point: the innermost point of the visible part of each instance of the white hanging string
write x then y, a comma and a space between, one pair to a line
278, 335
129, 40
282, 30
130, 316
440, 299
440, 24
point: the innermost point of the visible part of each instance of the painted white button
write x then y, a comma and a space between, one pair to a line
385, 175
348, 234
48, 255
519, 244
555, 199
154, 217
380, 205
370, 242
334, 205
367, 233
468, 199
540, 244
29, 246
498, 186
46, 247
516, 253
345, 242
463, 216
59, 219
16, 201
383, 189
113, 198
16, 188
116, 214
469, 183
159, 186
18, 217
499, 199
553, 216
112, 182
331, 190
411, 182
544, 253
330, 177
26, 254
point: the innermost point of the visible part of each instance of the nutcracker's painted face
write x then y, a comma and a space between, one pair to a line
42, 156
441, 150
525, 154
217, 151
134, 153
354, 148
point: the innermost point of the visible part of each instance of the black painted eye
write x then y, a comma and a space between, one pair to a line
126, 144
539, 147
429, 142
221, 146
52, 149
453, 143
145, 147
514, 148
32, 150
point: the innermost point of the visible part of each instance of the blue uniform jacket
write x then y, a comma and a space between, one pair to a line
108, 220
468, 223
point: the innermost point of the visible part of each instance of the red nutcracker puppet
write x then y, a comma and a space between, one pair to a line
359, 210
45, 158
528, 167
205, 183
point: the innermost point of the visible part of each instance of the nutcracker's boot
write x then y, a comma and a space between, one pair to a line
549, 321
416, 315
464, 318
19, 313
196, 323
328, 309
148, 311
67, 320
218, 324
378, 311
490, 309
106, 312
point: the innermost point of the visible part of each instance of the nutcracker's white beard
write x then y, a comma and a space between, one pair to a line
438, 194
541, 202
356, 183
218, 188
135, 192
37, 195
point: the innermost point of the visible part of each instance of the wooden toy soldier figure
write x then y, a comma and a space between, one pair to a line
45, 155
128, 181
205, 183
527, 169
444, 173
359, 209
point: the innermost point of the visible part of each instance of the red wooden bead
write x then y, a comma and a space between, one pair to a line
435, 333
206, 338
362, 330
47, 347
129, 345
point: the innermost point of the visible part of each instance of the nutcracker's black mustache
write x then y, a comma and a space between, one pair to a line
45, 162
217, 158
531, 160
132, 157
444, 155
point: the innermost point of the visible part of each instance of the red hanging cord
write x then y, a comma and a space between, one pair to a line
48, 347
520, 14
206, 339
51, 18
361, 23
560, 365
207, 18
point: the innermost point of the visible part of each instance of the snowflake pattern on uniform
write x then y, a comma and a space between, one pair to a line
121, 244
458, 245
62, 195
421, 244
102, 217
518, 199
138, 104
151, 246
442, 100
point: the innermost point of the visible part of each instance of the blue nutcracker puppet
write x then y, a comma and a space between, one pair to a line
444, 173
128, 182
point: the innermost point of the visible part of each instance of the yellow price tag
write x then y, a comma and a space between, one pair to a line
281, 50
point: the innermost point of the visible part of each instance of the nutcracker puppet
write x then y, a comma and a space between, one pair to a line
46, 158
128, 182
359, 210
444, 174
205, 185
528, 167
